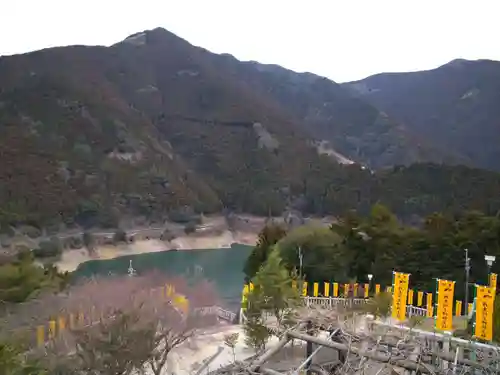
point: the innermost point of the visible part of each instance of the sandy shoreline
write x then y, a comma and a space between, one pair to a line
71, 259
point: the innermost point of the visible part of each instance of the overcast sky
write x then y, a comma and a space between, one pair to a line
343, 40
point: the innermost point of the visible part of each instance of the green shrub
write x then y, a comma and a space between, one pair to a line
50, 248
190, 228
120, 236
167, 235
380, 305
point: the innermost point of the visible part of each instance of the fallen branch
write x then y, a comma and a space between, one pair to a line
407, 364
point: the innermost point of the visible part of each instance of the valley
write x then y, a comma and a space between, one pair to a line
153, 144
152, 126
169, 208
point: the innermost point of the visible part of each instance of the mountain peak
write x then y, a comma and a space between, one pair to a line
457, 63
153, 36
464, 62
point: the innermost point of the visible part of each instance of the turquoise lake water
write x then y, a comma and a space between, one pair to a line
223, 267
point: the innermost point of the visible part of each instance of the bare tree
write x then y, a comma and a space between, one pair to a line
230, 341
117, 346
171, 331
131, 325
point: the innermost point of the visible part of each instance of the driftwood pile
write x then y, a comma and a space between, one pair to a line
346, 342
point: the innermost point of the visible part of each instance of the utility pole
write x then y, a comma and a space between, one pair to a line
467, 270
490, 259
300, 262
301, 282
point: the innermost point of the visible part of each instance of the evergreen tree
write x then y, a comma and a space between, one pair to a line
273, 289
88, 241
325, 256
268, 237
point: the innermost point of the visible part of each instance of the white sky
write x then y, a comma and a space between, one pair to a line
343, 40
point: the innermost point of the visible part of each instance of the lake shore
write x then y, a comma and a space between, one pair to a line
71, 259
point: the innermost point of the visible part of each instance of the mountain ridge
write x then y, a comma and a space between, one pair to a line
93, 108
154, 125
454, 104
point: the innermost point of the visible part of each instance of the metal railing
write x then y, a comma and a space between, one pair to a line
326, 302
333, 302
415, 311
330, 302
226, 315
221, 313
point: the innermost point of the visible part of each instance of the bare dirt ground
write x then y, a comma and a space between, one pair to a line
72, 258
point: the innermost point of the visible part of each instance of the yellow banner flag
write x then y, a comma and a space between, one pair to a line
377, 288
181, 302
355, 291
493, 281
420, 298
388, 289
335, 289
244, 295
40, 335
458, 308
327, 290
315, 289
170, 290
399, 298
61, 322
346, 290
246, 289
304, 288
410, 297
52, 329
430, 308
484, 312
444, 316
367, 290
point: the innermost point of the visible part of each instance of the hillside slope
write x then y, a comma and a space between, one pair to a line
455, 105
146, 126
153, 125
328, 112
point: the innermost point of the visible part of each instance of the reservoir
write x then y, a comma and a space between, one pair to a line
223, 267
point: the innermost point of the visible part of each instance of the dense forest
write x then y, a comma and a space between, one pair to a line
379, 243
411, 192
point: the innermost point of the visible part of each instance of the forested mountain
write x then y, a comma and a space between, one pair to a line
153, 124
145, 126
327, 111
455, 106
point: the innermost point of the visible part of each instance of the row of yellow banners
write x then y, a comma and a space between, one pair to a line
484, 299
59, 325
342, 290
442, 311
